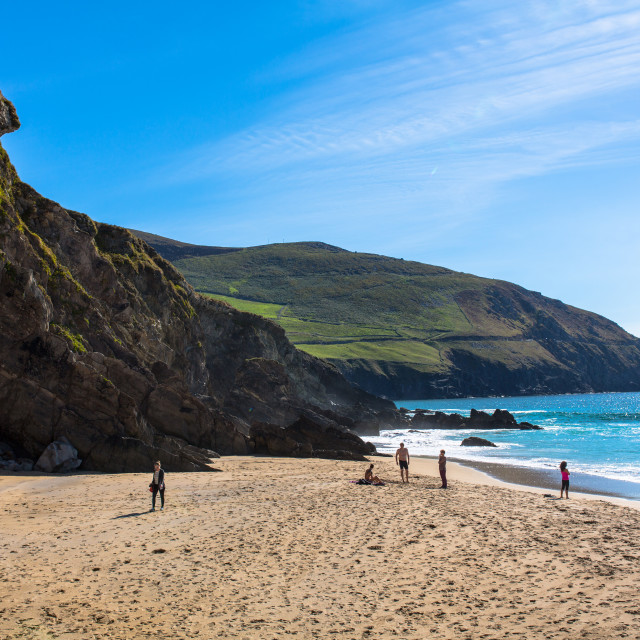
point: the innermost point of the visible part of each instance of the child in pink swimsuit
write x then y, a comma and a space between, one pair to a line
565, 479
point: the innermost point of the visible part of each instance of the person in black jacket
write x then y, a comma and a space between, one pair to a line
157, 484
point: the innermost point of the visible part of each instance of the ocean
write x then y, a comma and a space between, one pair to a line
597, 434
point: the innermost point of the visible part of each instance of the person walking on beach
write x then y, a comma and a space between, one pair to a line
402, 458
157, 484
442, 465
565, 479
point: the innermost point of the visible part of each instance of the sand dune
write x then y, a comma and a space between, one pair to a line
285, 548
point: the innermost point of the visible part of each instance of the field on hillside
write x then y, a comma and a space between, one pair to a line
342, 305
375, 308
401, 344
398, 327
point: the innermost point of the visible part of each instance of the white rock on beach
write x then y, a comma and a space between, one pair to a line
60, 456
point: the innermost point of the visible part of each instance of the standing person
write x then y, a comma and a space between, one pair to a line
157, 484
442, 465
402, 457
565, 479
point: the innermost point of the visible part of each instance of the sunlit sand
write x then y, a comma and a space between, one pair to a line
277, 548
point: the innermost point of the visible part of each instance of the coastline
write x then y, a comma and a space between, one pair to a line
581, 483
523, 479
597, 431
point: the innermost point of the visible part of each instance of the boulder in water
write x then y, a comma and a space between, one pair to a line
474, 441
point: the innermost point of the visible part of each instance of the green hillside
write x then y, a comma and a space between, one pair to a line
406, 329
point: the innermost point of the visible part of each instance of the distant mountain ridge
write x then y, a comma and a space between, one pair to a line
175, 250
405, 330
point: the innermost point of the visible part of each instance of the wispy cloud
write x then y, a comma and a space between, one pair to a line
419, 121
520, 70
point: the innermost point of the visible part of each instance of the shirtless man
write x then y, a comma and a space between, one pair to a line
402, 457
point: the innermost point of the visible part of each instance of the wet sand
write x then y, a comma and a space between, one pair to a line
582, 483
276, 548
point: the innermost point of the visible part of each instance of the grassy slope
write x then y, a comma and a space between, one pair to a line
342, 305
399, 328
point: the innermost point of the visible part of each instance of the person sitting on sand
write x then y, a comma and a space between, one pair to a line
402, 457
369, 477
565, 479
157, 484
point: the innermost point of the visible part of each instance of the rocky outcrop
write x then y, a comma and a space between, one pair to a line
8, 117
306, 438
499, 419
102, 342
59, 457
587, 368
474, 441
10, 462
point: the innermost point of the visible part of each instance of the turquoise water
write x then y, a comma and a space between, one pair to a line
597, 434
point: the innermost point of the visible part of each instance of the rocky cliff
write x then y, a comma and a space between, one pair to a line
104, 344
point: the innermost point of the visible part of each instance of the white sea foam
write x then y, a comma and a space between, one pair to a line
521, 412
429, 443
598, 434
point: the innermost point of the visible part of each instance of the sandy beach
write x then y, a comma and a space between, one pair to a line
287, 548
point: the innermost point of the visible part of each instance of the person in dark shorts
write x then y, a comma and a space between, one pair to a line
402, 458
565, 480
157, 485
442, 466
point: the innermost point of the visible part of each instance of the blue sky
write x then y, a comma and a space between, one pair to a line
497, 138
